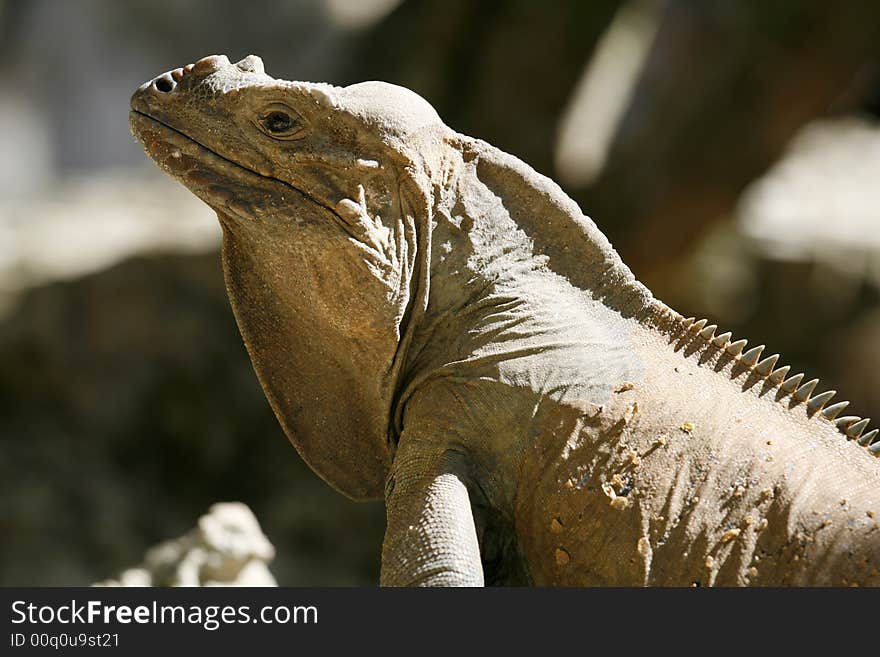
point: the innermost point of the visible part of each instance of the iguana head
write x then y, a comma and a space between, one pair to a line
323, 199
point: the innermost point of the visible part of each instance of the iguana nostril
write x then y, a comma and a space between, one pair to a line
164, 84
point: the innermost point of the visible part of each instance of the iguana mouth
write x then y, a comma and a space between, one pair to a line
184, 158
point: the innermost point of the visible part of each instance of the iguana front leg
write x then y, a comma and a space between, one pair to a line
430, 539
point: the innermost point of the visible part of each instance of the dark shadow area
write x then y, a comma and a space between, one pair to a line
129, 406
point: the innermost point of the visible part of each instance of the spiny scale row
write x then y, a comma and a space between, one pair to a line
849, 425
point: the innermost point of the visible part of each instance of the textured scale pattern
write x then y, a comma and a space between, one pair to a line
850, 426
432, 319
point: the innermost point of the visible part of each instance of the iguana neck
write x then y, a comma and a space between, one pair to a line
501, 297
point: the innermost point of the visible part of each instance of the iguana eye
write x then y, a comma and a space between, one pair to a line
280, 123
277, 122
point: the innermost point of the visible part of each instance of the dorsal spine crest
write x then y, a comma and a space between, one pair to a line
850, 426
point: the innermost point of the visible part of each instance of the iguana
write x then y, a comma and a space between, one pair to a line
434, 322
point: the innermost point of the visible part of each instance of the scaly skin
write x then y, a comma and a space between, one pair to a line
434, 321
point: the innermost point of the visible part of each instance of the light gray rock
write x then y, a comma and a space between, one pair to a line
226, 548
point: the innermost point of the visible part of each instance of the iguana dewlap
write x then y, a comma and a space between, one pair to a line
434, 321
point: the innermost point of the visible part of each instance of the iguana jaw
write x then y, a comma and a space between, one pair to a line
228, 187
352, 457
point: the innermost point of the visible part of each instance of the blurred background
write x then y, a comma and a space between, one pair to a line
730, 151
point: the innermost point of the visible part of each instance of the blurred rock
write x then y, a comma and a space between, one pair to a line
820, 202
226, 548
81, 225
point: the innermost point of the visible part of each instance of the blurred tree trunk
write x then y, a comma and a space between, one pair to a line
501, 71
727, 86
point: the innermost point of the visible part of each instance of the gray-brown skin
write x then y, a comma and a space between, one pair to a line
435, 322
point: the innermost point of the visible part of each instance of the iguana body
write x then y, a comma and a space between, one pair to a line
434, 321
